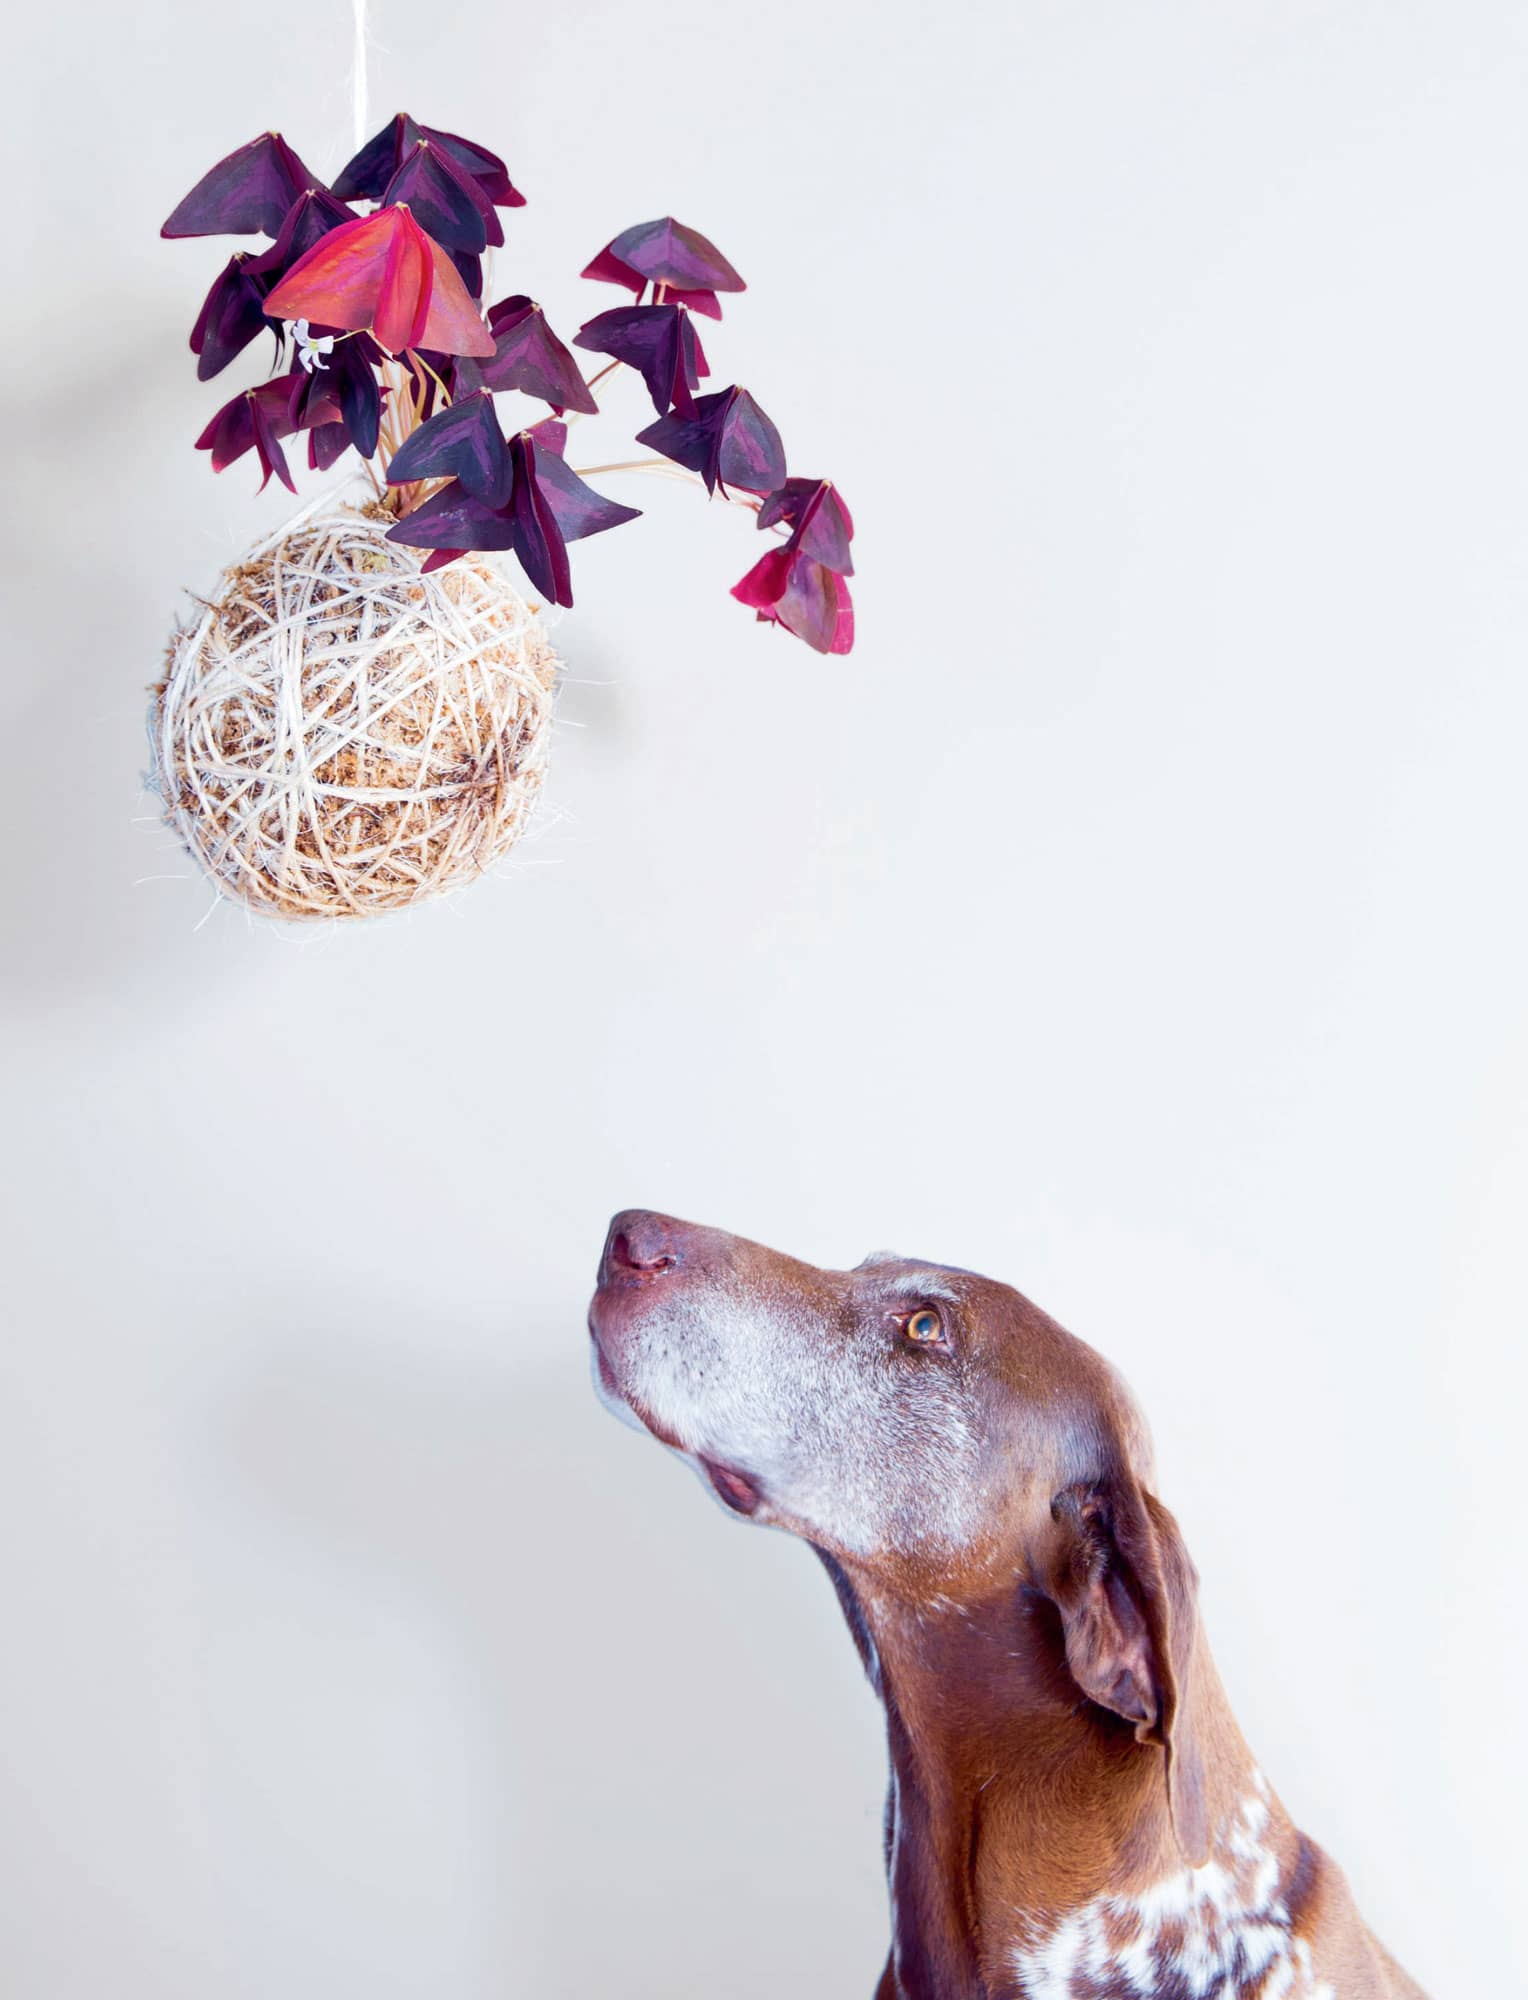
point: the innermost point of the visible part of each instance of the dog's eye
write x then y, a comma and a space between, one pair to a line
924, 1327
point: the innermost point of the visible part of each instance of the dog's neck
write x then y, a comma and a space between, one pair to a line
1017, 1809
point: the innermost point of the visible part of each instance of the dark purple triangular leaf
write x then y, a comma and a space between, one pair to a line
728, 440
253, 421
453, 519
548, 506
363, 177
314, 213
549, 435
259, 418
486, 168
311, 400
232, 314
360, 395
664, 252
272, 457
578, 509
326, 443
529, 357
446, 202
818, 519
229, 433
463, 442
379, 159
252, 189
470, 270
539, 540
660, 342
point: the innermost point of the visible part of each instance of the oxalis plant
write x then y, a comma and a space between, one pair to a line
372, 290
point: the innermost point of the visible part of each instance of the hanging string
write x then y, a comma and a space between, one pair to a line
358, 74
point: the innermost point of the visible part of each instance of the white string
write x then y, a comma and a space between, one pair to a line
358, 74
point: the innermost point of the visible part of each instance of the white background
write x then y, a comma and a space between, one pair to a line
1137, 914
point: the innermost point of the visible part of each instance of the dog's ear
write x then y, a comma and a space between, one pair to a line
1127, 1594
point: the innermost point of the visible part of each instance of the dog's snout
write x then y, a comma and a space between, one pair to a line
640, 1245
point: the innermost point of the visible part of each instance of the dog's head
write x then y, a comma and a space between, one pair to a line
930, 1430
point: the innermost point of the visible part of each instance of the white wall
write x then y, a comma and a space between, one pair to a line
1137, 914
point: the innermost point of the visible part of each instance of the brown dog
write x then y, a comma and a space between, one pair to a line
1073, 1814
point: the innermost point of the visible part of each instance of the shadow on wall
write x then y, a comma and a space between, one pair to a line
88, 633
509, 1512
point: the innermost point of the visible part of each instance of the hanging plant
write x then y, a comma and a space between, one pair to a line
358, 716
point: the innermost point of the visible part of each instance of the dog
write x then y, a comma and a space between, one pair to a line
1073, 1813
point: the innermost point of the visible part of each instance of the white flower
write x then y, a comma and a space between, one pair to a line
310, 351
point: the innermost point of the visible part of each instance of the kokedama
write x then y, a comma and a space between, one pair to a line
358, 717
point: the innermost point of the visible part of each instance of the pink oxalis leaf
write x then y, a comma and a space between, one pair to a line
382, 273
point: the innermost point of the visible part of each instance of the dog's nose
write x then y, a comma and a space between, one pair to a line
640, 1245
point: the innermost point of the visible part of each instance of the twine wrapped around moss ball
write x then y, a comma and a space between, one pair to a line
339, 734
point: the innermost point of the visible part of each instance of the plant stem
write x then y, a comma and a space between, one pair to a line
637, 465
666, 469
445, 393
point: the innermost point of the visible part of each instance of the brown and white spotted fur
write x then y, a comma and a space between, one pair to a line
1073, 1814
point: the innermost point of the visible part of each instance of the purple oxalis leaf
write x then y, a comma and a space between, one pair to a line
548, 507
579, 510
454, 519
380, 158
810, 600
250, 191
447, 203
549, 435
366, 173
464, 441
248, 424
818, 519
311, 399
529, 357
609, 272
326, 443
259, 418
227, 321
729, 441
486, 168
232, 314
539, 540
352, 376
469, 269
666, 252
314, 213
660, 342
699, 302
